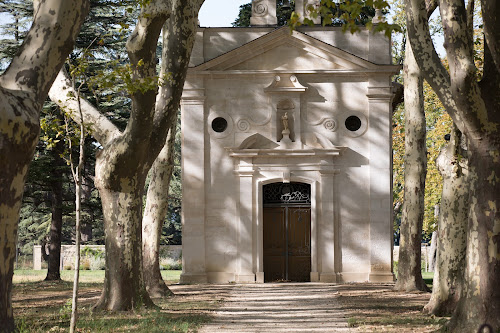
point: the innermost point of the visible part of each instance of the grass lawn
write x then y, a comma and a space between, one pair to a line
41, 306
28, 275
428, 278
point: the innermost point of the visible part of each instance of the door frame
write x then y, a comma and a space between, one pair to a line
314, 275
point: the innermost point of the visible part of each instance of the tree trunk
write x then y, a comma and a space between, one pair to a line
23, 89
480, 302
452, 229
86, 224
154, 215
474, 107
77, 177
17, 146
432, 254
124, 283
409, 266
54, 258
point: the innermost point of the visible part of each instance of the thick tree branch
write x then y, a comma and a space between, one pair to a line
133, 143
398, 90
463, 72
45, 47
141, 48
63, 94
431, 6
491, 18
178, 39
427, 58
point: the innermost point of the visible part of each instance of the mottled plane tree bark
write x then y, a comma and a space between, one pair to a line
23, 89
410, 254
473, 103
409, 266
154, 215
452, 228
123, 163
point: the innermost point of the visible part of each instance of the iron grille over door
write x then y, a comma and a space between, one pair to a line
287, 193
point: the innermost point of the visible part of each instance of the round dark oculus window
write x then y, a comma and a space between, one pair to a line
219, 124
353, 123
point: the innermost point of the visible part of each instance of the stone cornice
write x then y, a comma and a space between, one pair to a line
193, 100
386, 69
289, 153
282, 36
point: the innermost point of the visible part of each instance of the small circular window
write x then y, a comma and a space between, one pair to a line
219, 124
353, 123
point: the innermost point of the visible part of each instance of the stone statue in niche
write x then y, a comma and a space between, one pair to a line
285, 141
284, 119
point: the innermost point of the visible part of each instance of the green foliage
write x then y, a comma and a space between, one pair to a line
243, 19
65, 312
90, 252
350, 14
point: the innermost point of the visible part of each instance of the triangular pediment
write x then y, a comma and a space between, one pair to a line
281, 50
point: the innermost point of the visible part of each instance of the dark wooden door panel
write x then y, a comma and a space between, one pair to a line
299, 269
299, 231
287, 243
274, 243
299, 243
274, 268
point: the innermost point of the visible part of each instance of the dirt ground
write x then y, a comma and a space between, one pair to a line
270, 307
316, 307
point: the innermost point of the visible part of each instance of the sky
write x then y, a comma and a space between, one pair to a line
220, 13
213, 13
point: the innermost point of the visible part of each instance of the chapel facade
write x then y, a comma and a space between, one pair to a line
286, 154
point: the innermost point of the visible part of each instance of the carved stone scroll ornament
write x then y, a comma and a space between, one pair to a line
259, 8
330, 124
243, 125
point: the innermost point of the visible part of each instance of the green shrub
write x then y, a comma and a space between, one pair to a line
85, 265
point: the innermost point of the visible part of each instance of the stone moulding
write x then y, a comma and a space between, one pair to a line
347, 63
242, 153
285, 84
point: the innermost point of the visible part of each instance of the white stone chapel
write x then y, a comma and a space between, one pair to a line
286, 154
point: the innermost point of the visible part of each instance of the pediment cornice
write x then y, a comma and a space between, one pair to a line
347, 63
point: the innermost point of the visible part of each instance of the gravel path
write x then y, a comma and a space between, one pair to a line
275, 307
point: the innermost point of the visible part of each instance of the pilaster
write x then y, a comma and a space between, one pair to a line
327, 226
379, 133
245, 225
193, 181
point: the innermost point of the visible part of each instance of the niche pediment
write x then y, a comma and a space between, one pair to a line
281, 50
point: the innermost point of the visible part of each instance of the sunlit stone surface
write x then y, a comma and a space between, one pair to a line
335, 90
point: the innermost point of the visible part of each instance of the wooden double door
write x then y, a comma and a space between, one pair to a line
287, 243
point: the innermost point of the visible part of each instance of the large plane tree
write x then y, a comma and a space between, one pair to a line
23, 89
473, 102
126, 156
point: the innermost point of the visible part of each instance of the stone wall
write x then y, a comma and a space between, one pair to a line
68, 254
425, 255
